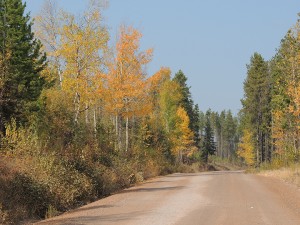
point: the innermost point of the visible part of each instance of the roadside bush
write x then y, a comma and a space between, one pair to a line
42, 182
3, 215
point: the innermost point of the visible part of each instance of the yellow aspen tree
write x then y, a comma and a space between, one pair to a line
246, 148
81, 45
157, 80
183, 137
169, 100
155, 83
127, 94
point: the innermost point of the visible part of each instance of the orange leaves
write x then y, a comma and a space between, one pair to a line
126, 92
156, 81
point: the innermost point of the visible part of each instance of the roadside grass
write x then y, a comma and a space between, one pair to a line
290, 173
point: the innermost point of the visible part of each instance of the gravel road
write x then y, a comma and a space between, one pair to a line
212, 198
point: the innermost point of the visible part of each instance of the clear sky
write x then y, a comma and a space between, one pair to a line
211, 41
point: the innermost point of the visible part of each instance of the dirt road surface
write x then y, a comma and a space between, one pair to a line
212, 198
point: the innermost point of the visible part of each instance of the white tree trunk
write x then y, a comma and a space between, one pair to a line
77, 107
86, 113
127, 135
95, 122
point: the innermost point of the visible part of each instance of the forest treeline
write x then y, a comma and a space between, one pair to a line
270, 117
81, 118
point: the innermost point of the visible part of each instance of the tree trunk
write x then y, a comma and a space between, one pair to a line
95, 122
127, 135
117, 133
59, 73
86, 113
221, 145
77, 106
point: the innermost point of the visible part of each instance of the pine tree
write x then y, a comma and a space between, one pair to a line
285, 97
208, 147
22, 60
230, 130
256, 106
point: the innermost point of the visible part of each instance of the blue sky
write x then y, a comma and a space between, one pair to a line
211, 41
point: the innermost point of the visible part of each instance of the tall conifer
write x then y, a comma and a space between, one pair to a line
256, 105
22, 62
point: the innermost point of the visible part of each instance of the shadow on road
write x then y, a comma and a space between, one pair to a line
212, 173
153, 189
106, 219
159, 181
93, 208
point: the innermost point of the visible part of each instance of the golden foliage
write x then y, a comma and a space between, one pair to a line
182, 136
246, 148
126, 91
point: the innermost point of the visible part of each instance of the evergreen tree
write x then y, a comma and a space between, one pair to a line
230, 131
208, 147
196, 125
188, 105
22, 62
186, 102
218, 133
256, 106
285, 71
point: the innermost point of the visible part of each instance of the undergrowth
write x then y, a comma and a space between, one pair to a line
283, 170
37, 182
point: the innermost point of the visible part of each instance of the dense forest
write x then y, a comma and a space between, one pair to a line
81, 118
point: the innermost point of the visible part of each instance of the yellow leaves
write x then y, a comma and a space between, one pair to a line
170, 96
76, 46
246, 147
182, 136
183, 126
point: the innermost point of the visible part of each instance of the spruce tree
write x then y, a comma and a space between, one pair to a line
22, 63
188, 104
196, 124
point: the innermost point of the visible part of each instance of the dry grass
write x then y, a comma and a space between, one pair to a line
289, 174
